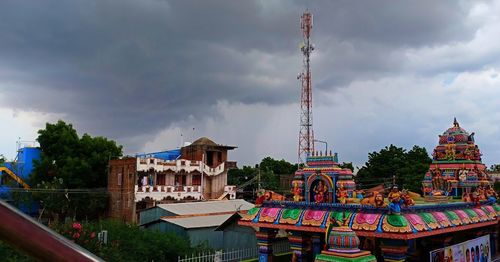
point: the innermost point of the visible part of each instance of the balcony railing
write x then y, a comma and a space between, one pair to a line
181, 165
164, 192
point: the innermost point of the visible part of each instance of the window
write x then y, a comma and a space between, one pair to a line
210, 158
160, 179
120, 179
196, 180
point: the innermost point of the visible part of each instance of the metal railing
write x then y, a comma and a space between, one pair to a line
235, 255
37, 240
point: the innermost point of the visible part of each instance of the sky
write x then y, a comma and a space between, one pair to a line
151, 74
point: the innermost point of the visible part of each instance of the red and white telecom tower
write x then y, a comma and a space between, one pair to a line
306, 135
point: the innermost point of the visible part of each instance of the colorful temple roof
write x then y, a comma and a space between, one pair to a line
413, 222
457, 146
322, 189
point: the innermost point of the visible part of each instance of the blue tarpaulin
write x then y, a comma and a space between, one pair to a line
165, 155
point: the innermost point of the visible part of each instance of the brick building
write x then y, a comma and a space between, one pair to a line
193, 173
121, 183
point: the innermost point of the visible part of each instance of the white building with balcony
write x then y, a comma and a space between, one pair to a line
195, 172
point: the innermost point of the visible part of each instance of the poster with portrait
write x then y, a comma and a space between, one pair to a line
478, 249
475, 250
437, 255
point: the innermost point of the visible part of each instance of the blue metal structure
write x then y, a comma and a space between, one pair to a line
20, 171
23, 166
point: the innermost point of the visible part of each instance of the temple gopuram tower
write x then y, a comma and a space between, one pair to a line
456, 165
322, 180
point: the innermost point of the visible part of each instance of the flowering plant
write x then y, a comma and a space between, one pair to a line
84, 236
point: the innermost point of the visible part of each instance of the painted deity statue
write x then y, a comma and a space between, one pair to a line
320, 191
297, 192
477, 153
450, 151
469, 152
490, 194
395, 199
462, 175
475, 197
407, 200
480, 193
360, 194
439, 185
466, 197
342, 194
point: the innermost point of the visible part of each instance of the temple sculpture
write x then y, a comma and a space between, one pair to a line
456, 169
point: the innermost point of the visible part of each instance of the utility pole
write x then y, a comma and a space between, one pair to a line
259, 186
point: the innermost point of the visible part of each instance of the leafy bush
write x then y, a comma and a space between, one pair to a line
8, 253
126, 242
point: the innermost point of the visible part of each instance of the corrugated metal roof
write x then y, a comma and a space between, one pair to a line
198, 221
205, 207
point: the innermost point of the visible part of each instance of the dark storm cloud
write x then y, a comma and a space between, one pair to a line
129, 68
394, 23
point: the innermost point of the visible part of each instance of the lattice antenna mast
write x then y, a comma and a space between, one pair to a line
306, 135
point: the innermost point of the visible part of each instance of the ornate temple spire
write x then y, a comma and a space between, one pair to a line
455, 122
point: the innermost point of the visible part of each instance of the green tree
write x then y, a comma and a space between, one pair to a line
494, 168
239, 176
279, 167
81, 163
2, 159
270, 171
417, 164
53, 198
408, 167
269, 180
347, 165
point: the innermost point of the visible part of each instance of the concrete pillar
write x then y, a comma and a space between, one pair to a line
265, 238
317, 246
412, 251
494, 241
300, 245
393, 250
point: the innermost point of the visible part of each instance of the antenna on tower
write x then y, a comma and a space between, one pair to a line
306, 134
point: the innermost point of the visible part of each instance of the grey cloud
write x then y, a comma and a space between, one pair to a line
126, 69
395, 23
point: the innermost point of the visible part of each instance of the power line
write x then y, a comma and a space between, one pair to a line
98, 191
